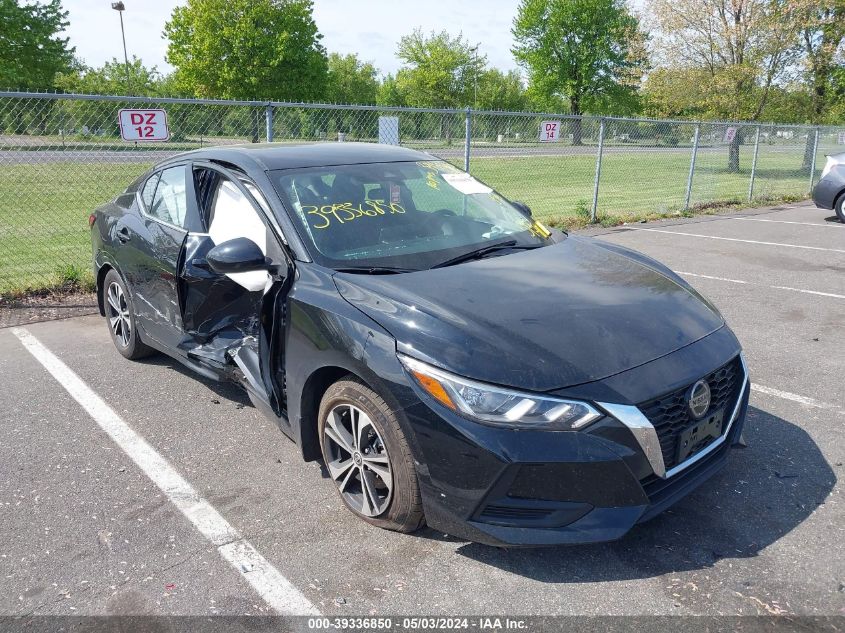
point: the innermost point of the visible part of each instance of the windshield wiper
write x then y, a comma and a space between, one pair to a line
374, 270
484, 250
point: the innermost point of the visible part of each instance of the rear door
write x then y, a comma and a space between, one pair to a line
151, 249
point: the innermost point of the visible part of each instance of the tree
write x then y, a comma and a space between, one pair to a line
501, 91
351, 80
112, 78
247, 49
821, 31
836, 101
31, 52
677, 93
743, 47
439, 71
589, 53
821, 26
389, 93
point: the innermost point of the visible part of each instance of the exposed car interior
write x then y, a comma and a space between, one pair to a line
364, 213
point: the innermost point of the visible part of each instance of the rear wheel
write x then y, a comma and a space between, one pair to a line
368, 458
121, 318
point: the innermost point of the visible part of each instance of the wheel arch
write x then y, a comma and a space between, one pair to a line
315, 387
101, 278
309, 404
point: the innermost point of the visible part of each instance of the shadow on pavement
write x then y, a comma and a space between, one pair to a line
765, 492
226, 390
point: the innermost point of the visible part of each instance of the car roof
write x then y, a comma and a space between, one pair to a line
269, 156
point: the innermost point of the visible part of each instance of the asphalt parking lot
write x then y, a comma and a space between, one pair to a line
220, 516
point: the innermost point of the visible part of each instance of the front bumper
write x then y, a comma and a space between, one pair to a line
529, 488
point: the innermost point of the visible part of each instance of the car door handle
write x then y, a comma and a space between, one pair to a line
123, 234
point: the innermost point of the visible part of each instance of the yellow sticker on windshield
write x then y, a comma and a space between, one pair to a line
540, 230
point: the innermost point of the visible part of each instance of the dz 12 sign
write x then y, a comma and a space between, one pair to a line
143, 125
549, 131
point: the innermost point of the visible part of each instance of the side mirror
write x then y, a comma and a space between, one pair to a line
239, 255
522, 207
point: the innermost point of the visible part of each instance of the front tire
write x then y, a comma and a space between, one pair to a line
120, 318
368, 458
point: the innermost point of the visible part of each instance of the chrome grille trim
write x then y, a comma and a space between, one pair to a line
646, 435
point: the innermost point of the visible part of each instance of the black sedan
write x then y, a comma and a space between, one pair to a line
450, 359
829, 192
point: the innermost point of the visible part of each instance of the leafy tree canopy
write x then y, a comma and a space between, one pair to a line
113, 78
350, 80
389, 93
502, 91
31, 51
589, 53
735, 49
247, 49
439, 71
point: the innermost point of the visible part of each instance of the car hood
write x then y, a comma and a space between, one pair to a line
544, 319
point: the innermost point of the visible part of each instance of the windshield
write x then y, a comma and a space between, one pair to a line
408, 215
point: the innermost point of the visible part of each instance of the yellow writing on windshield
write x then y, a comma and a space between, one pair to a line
345, 212
431, 179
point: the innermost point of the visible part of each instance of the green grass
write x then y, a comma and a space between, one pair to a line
638, 184
44, 207
44, 236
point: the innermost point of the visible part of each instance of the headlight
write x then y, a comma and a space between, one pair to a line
497, 406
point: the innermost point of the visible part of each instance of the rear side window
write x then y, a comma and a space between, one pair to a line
170, 199
148, 190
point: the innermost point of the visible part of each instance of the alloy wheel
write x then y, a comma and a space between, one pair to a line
357, 460
118, 314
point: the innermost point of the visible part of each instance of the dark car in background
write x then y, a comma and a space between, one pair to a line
829, 192
450, 359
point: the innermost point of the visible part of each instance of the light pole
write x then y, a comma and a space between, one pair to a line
474, 52
120, 8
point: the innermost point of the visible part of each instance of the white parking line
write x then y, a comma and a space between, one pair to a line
276, 590
734, 239
810, 292
739, 281
829, 225
810, 402
733, 281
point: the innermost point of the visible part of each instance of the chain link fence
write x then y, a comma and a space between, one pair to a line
61, 156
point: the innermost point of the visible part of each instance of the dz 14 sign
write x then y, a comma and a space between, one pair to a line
143, 125
549, 131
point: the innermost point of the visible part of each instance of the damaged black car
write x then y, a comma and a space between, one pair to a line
451, 360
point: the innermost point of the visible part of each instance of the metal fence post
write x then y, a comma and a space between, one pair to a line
467, 134
692, 165
813, 162
268, 118
754, 165
594, 211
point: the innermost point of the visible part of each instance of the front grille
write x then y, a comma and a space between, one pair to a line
670, 414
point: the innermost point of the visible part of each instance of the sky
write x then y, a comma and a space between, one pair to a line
370, 28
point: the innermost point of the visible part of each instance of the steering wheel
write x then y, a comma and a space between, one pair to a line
446, 213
